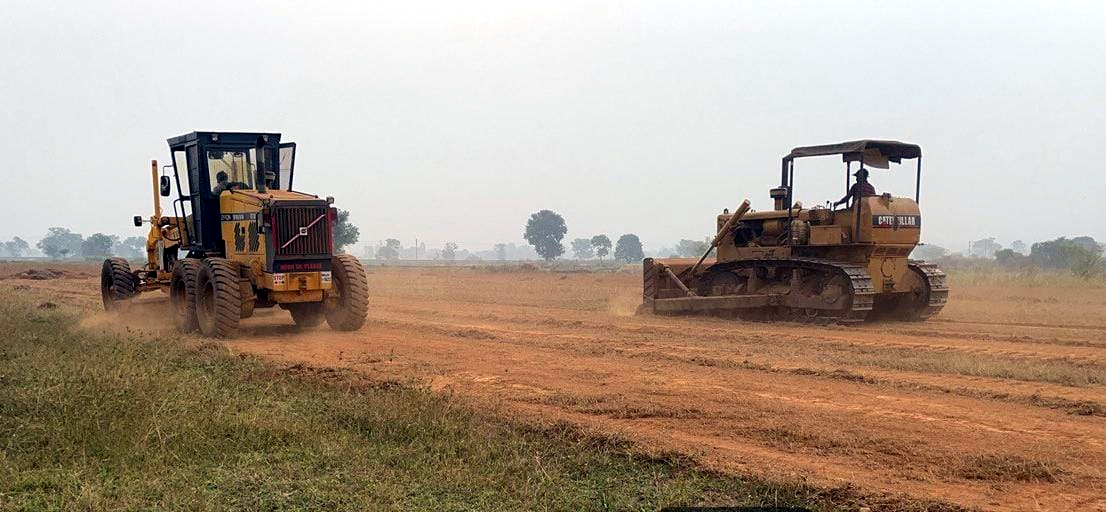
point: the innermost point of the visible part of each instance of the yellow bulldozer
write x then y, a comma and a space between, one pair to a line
239, 238
819, 264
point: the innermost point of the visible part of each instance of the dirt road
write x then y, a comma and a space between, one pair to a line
998, 403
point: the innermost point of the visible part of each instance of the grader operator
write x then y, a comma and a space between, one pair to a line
811, 264
240, 238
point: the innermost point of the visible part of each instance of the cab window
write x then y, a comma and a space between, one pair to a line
231, 169
287, 165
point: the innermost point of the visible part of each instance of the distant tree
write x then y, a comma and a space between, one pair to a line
1082, 255
132, 247
628, 249
544, 231
1088, 264
345, 233
449, 252
389, 251
929, 252
582, 249
60, 243
985, 248
692, 248
501, 252
602, 245
98, 245
1087, 243
1010, 258
1017, 246
17, 247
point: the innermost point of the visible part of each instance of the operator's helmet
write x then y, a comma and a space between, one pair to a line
861, 173
221, 176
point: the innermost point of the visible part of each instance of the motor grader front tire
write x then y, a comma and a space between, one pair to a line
347, 303
117, 282
182, 293
218, 298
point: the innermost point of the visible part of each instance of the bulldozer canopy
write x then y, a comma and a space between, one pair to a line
876, 153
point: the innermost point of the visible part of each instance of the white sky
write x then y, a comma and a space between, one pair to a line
453, 121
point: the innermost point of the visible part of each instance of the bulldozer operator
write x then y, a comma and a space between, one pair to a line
859, 189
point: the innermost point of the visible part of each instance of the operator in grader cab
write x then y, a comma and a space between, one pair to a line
223, 183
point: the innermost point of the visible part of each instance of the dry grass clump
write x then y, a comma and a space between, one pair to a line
1008, 468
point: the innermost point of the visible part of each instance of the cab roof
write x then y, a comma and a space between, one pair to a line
892, 150
230, 138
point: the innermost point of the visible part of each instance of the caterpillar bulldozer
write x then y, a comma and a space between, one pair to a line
822, 264
239, 238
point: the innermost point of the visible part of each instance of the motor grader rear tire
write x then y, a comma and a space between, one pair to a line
117, 282
307, 315
347, 303
182, 293
218, 298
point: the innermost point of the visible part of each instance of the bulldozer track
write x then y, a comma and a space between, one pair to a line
861, 290
937, 285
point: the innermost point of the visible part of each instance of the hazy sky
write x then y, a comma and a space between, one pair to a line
453, 121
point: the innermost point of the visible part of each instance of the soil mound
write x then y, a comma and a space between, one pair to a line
35, 274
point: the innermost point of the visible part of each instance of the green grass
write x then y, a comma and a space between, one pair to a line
99, 421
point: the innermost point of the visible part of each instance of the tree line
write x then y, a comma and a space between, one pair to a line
1082, 255
545, 232
546, 229
60, 243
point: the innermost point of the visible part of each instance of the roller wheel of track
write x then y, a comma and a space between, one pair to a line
824, 283
117, 282
347, 303
218, 298
182, 293
307, 315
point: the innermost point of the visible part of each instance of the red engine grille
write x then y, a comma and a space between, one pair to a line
301, 230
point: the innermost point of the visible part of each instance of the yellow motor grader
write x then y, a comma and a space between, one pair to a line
822, 264
239, 238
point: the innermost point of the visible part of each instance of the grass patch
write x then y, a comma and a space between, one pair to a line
1009, 468
616, 406
993, 275
107, 421
1056, 371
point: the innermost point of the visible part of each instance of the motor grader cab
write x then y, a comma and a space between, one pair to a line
239, 238
823, 263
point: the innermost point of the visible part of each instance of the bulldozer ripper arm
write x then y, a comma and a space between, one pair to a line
679, 284
737, 214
